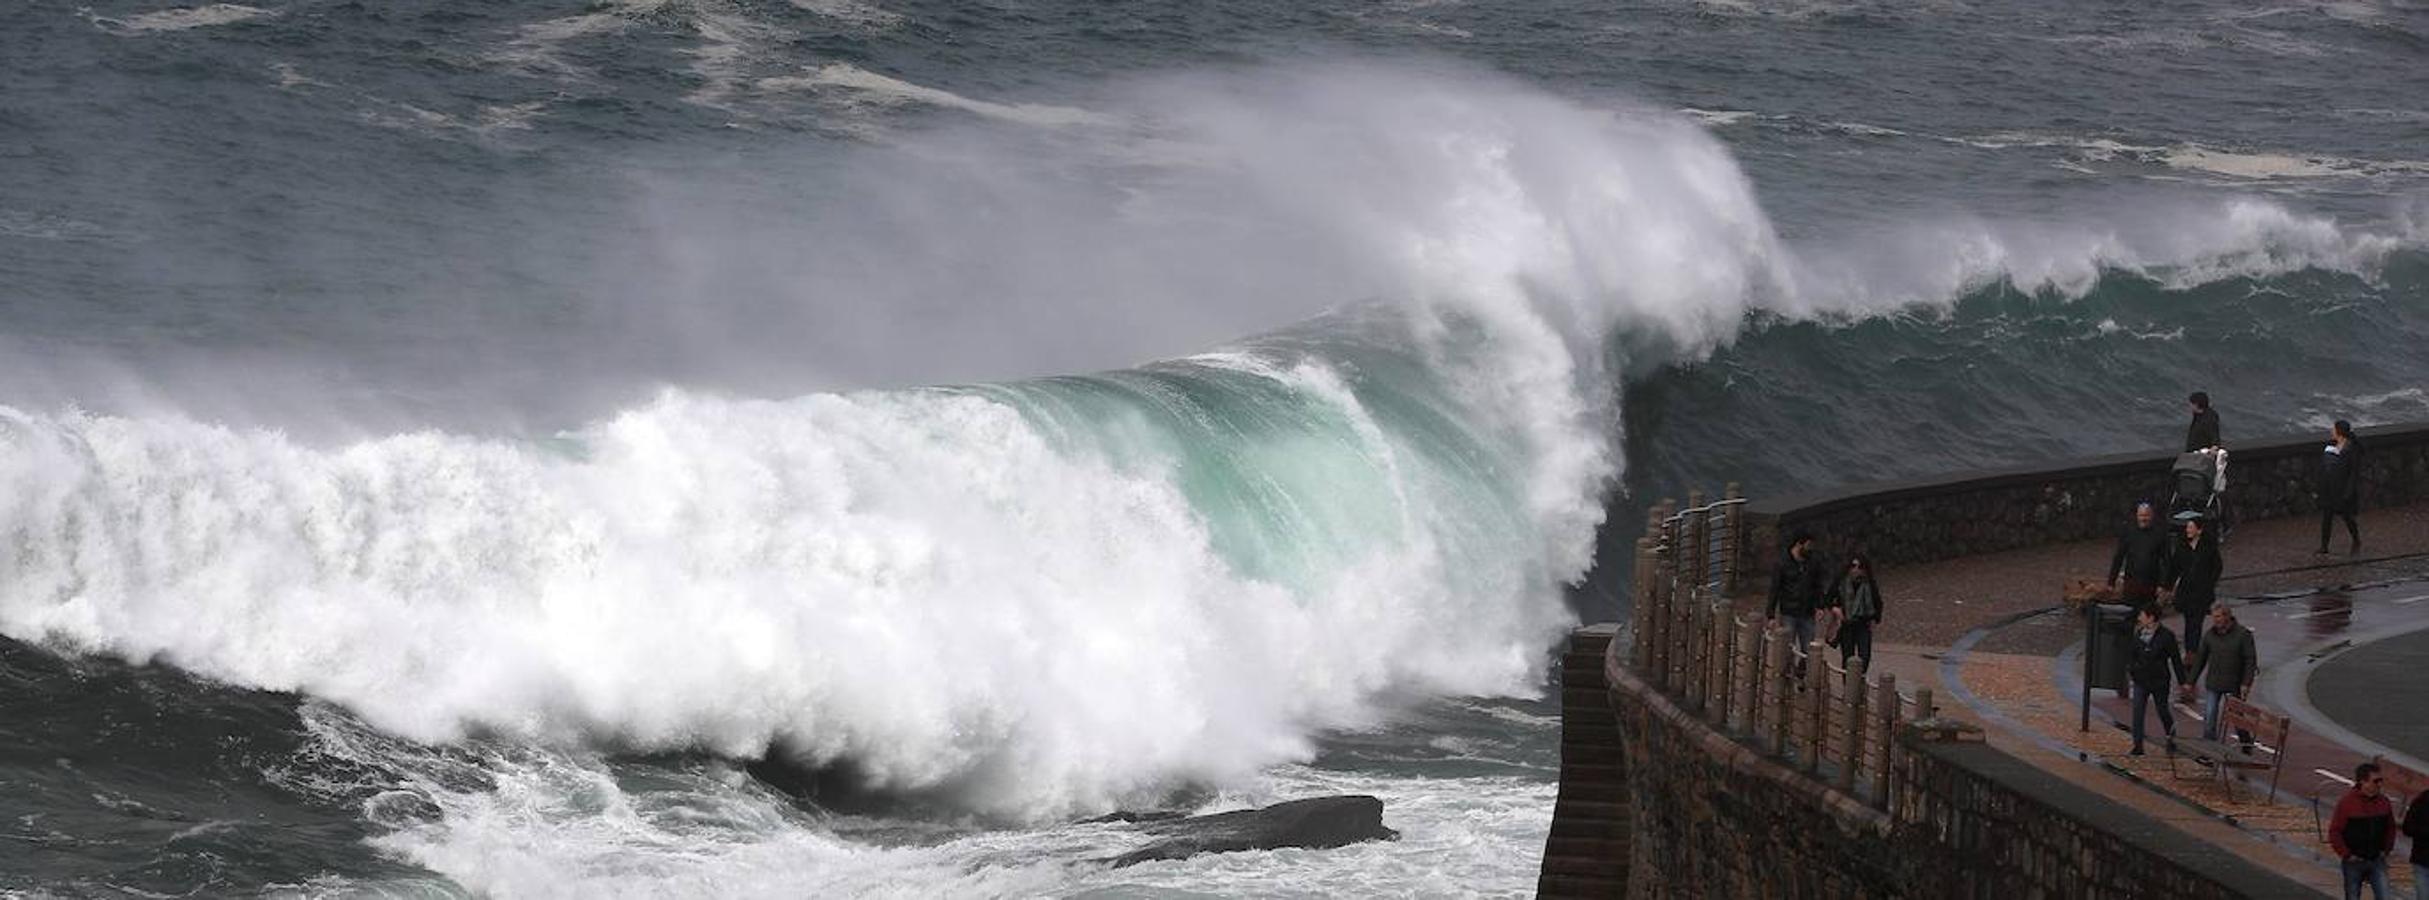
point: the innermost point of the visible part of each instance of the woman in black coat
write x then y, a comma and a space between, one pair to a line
2157, 663
2340, 485
2193, 574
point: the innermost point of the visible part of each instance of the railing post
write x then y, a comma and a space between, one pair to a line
1699, 540
1657, 587
1733, 523
1641, 604
1750, 674
1817, 690
1704, 623
1777, 641
1724, 667
1855, 724
1657, 598
1691, 656
1680, 644
1923, 705
1664, 514
1886, 698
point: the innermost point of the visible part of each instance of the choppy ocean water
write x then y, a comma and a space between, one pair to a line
440, 441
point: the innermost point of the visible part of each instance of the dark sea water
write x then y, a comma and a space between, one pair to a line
442, 444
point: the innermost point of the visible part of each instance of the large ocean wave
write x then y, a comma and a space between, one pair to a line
1050, 596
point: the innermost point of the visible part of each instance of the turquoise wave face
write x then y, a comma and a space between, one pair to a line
1300, 464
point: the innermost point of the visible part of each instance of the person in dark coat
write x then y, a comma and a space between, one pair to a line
1858, 597
2340, 485
2416, 827
2226, 664
2203, 433
2363, 831
1796, 589
2193, 572
2140, 566
2157, 664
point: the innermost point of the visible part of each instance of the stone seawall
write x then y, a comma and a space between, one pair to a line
1710, 815
1586, 854
1945, 517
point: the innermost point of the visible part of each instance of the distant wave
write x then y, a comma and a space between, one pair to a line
870, 87
182, 18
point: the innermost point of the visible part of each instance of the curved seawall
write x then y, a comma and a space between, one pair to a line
1698, 762
1970, 513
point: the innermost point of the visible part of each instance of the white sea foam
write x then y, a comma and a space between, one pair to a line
2399, 405
2110, 328
2254, 165
863, 86
853, 12
486, 121
1717, 118
18, 223
548, 824
182, 18
918, 583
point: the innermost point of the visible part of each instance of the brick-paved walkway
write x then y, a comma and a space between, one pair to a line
1969, 627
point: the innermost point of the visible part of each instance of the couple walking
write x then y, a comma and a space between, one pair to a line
1853, 596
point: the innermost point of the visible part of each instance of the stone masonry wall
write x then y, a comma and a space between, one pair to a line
1714, 817
1984, 512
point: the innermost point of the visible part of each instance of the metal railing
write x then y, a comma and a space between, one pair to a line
1701, 541
1746, 677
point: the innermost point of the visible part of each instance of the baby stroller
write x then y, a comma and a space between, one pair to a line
2201, 490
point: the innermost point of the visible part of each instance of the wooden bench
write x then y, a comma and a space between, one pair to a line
2270, 729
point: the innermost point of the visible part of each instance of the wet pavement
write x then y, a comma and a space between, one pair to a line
2380, 691
2336, 634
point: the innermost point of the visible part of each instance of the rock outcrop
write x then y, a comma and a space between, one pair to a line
1317, 823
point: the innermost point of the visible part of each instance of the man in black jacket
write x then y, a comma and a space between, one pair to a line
2157, 663
1796, 589
2193, 573
2203, 433
2143, 552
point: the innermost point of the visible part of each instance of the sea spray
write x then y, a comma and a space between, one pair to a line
1039, 597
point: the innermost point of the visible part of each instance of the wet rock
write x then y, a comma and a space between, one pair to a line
1316, 823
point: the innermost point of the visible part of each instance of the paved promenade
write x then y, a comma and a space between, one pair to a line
2344, 643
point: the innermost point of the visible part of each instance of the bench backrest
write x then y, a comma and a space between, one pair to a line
2267, 725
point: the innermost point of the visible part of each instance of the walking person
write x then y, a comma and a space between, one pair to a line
2140, 565
2362, 832
2416, 827
2193, 571
2340, 485
1796, 592
2226, 664
2157, 663
2203, 433
1858, 597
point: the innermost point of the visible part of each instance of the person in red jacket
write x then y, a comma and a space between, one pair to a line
2363, 831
